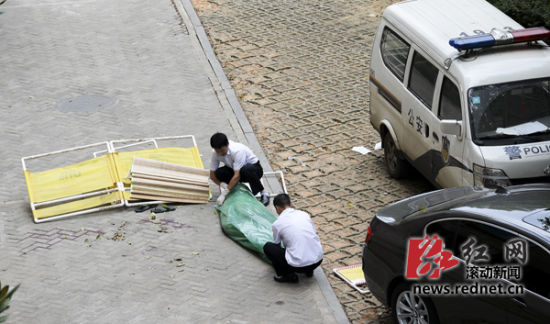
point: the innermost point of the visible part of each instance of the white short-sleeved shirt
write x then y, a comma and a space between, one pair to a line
238, 155
297, 232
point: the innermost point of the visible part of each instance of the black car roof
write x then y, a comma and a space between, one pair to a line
526, 207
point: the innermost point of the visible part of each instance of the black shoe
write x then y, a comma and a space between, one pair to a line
143, 208
309, 274
291, 278
163, 208
265, 198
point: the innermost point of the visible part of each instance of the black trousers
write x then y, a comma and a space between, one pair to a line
276, 254
251, 173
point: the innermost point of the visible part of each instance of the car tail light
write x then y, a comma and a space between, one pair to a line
369, 235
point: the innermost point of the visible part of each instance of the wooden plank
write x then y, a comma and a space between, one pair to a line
165, 181
168, 184
151, 197
172, 179
164, 191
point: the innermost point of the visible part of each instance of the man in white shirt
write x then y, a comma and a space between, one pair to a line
302, 251
240, 165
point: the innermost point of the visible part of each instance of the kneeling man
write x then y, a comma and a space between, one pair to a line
302, 250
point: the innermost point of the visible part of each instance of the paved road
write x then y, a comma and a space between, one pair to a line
142, 58
300, 69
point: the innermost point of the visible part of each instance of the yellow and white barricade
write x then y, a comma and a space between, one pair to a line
98, 183
75, 189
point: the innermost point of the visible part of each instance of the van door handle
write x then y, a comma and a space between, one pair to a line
435, 136
520, 301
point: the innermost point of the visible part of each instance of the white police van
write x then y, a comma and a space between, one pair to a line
462, 92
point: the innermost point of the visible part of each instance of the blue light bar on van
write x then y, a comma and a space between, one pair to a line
499, 37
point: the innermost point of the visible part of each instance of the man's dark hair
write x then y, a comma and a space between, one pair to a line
281, 200
218, 140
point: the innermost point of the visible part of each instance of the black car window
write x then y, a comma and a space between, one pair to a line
474, 235
422, 79
446, 230
394, 52
536, 272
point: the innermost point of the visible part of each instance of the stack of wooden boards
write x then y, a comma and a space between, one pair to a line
163, 181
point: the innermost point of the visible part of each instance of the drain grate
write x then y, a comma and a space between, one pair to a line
85, 103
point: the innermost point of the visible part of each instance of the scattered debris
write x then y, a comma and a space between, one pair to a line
164, 223
120, 234
297, 160
361, 149
378, 146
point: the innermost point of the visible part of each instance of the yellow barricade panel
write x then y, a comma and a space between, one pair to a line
87, 176
77, 205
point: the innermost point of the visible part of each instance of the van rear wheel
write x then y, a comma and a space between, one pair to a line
397, 167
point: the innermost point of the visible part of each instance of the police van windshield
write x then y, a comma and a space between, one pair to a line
508, 113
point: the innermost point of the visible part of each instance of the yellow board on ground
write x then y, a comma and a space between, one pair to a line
354, 276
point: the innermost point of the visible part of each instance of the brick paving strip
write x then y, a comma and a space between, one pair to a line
300, 70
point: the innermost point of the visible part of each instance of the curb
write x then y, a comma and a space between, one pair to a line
320, 276
229, 92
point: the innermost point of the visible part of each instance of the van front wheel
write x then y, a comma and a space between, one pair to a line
397, 167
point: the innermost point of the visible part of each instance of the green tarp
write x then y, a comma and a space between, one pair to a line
246, 220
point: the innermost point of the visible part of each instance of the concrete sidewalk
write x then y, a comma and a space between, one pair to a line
144, 57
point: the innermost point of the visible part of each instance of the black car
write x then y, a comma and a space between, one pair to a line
499, 241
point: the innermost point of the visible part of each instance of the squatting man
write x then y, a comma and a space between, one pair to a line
302, 251
240, 165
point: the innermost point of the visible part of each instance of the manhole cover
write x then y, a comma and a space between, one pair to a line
85, 103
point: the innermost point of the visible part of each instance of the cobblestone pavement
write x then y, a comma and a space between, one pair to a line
300, 69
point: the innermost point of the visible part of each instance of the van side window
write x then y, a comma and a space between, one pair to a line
394, 53
422, 80
449, 104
